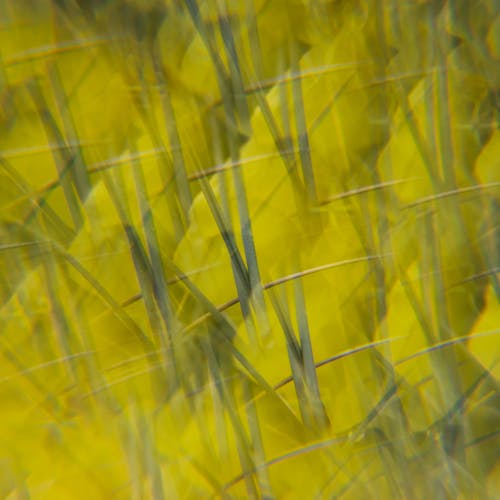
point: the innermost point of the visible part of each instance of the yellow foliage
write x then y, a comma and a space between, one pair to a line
249, 249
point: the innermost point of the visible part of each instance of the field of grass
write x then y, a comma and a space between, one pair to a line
249, 249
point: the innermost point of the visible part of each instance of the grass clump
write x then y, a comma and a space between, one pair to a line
249, 249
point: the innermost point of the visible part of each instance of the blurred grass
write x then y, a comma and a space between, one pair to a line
249, 249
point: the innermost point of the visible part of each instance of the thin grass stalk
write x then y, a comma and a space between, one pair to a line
240, 271
145, 103
79, 174
302, 129
140, 259
150, 456
218, 408
207, 35
166, 332
424, 149
242, 116
183, 192
319, 415
63, 162
254, 427
444, 365
230, 406
63, 332
295, 356
281, 139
